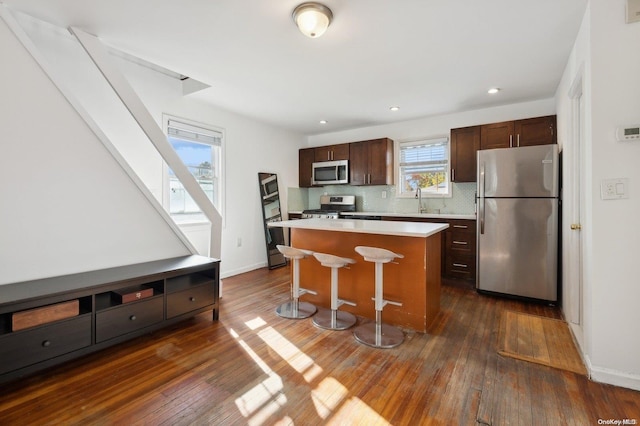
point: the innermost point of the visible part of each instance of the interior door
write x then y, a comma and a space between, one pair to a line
573, 292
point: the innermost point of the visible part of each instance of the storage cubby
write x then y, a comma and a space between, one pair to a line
82, 313
113, 298
186, 282
5, 323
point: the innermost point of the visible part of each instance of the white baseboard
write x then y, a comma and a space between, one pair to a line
613, 377
242, 270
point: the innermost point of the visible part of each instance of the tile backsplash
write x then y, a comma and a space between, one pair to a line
370, 199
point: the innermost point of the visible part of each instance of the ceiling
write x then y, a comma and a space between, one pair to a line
426, 56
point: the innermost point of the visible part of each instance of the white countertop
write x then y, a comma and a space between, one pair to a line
416, 215
380, 227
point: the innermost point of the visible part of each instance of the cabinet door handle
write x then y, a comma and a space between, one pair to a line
460, 265
46, 343
461, 242
460, 226
510, 141
132, 318
192, 299
453, 175
518, 140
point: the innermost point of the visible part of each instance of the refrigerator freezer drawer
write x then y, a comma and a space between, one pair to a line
517, 252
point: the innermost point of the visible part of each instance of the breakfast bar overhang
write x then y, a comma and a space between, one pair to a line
414, 280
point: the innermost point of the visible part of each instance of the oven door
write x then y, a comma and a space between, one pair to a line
330, 172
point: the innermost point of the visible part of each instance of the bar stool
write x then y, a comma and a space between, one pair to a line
334, 319
295, 309
377, 334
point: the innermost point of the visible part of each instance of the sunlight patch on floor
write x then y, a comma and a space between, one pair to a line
266, 397
297, 359
327, 396
355, 408
260, 403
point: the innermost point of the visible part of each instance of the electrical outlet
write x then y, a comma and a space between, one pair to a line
614, 189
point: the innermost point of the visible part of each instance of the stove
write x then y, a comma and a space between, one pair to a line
331, 206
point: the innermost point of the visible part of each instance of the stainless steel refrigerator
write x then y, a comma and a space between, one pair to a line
517, 226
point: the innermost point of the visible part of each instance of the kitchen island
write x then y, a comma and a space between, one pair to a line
413, 281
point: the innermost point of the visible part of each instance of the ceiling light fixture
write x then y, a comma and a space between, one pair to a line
323, 121
493, 90
394, 108
312, 18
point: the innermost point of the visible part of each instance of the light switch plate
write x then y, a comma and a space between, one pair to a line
614, 189
633, 11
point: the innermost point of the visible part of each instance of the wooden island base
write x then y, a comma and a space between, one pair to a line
413, 281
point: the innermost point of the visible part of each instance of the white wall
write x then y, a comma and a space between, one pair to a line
615, 68
438, 124
250, 146
67, 206
608, 48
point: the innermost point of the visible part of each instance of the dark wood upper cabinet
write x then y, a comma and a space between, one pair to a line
512, 134
465, 142
536, 131
496, 135
371, 162
332, 152
306, 157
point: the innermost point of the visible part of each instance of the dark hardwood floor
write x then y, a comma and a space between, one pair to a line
255, 368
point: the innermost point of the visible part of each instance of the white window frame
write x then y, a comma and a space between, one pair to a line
166, 118
400, 192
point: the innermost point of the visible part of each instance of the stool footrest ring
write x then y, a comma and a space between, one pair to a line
346, 302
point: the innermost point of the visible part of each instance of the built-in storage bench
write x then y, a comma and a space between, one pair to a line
48, 321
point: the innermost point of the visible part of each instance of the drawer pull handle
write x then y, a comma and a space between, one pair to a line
192, 299
464, 243
132, 317
460, 226
46, 343
460, 265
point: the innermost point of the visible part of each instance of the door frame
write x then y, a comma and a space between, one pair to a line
573, 282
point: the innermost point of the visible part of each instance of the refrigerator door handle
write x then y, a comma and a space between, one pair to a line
481, 196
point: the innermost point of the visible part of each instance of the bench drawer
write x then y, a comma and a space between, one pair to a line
123, 319
23, 348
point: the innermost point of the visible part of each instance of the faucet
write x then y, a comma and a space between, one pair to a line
419, 198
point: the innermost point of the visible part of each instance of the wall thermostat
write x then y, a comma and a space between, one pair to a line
628, 133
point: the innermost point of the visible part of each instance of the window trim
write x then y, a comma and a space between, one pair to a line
420, 141
166, 118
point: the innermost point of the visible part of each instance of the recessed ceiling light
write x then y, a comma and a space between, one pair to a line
323, 121
394, 108
493, 90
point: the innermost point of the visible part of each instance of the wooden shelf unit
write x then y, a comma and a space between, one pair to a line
182, 287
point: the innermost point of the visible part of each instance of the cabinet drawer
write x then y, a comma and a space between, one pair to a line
460, 267
24, 348
129, 317
189, 300
460, 244
459, 226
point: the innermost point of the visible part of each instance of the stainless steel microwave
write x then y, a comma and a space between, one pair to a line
330, 172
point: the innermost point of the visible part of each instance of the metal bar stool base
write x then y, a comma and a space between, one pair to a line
288, 310
343, 320
390, 336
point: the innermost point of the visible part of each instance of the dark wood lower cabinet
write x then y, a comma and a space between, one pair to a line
458, 246
181, 288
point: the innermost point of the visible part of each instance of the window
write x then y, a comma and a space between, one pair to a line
200, 149
424, 164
